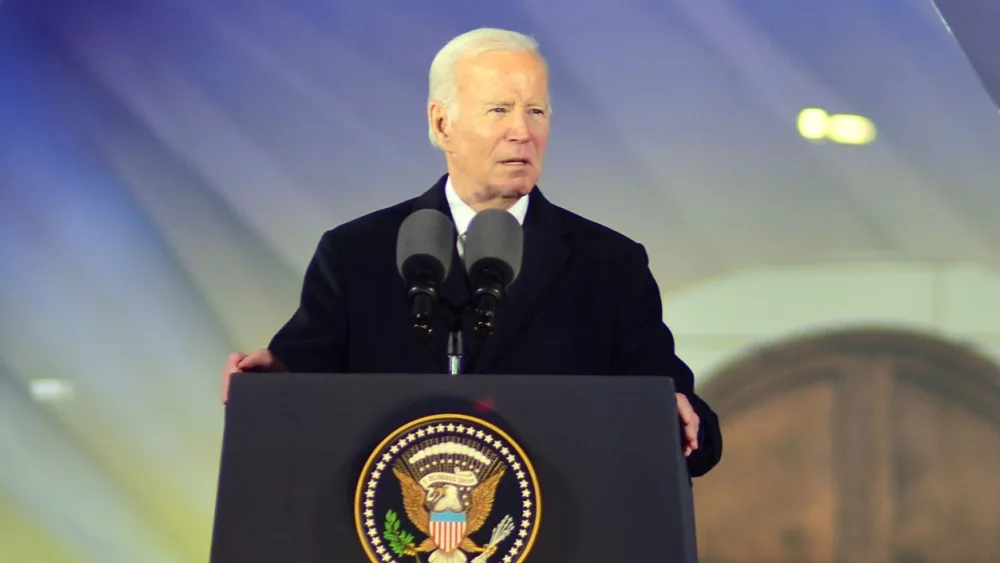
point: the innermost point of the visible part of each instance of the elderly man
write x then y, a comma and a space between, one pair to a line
585, 301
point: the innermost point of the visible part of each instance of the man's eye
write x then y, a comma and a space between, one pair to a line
498, 110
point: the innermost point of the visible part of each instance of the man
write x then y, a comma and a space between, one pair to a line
585, 301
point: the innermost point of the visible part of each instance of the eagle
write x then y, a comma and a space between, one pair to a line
447, 520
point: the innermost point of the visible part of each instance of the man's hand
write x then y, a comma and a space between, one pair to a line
690, 420
261, 360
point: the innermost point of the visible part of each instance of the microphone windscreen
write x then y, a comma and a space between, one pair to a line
494, 238
424, 246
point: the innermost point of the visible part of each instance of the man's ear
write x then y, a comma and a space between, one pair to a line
439, 124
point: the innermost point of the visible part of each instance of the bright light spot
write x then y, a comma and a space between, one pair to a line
850, 129
812, 123
816, 124
51, 390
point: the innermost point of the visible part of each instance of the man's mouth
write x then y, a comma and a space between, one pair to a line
515, 162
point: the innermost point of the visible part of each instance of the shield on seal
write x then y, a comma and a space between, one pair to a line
447, 529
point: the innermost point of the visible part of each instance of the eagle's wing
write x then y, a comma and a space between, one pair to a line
427, 545
469, 546
481, 502
413, 500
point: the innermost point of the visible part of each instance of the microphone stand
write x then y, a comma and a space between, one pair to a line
483, 305
422, 305
456, 351
457, 358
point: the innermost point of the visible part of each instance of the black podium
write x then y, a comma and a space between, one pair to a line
339, 468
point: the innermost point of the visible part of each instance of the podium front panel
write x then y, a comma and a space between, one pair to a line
605, 452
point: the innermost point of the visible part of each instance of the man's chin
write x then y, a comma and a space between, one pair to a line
515, 187
517, 192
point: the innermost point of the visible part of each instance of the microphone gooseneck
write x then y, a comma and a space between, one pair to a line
423, 297
489, 294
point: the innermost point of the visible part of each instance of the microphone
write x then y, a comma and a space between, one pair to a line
494, 244
424, 247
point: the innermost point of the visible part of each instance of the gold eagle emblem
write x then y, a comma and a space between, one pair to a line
456, 514
455, 478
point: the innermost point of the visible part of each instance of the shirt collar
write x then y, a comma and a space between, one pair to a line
462, 214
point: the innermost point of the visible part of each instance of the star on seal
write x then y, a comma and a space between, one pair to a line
451, 486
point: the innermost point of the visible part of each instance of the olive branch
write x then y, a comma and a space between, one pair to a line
398, 539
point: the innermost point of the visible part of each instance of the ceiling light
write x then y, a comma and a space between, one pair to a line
51, 390
816, 124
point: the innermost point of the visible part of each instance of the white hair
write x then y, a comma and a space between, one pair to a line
442, 85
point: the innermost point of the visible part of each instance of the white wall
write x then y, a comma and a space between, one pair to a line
718, 320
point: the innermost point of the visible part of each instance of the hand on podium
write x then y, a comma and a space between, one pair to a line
261, 360
690, 420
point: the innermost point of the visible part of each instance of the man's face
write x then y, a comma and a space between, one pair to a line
496, 144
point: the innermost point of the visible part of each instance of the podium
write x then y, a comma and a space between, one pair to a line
344, 468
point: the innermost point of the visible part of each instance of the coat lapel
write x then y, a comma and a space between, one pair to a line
545, 255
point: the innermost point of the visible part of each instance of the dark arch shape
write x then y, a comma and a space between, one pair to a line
879, 383
777, 368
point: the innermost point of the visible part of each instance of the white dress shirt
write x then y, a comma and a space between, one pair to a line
462, 214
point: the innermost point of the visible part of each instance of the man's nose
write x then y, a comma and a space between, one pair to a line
518, 130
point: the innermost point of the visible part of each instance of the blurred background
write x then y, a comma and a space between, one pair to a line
817, 184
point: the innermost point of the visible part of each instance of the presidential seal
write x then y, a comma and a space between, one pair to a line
448, 489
